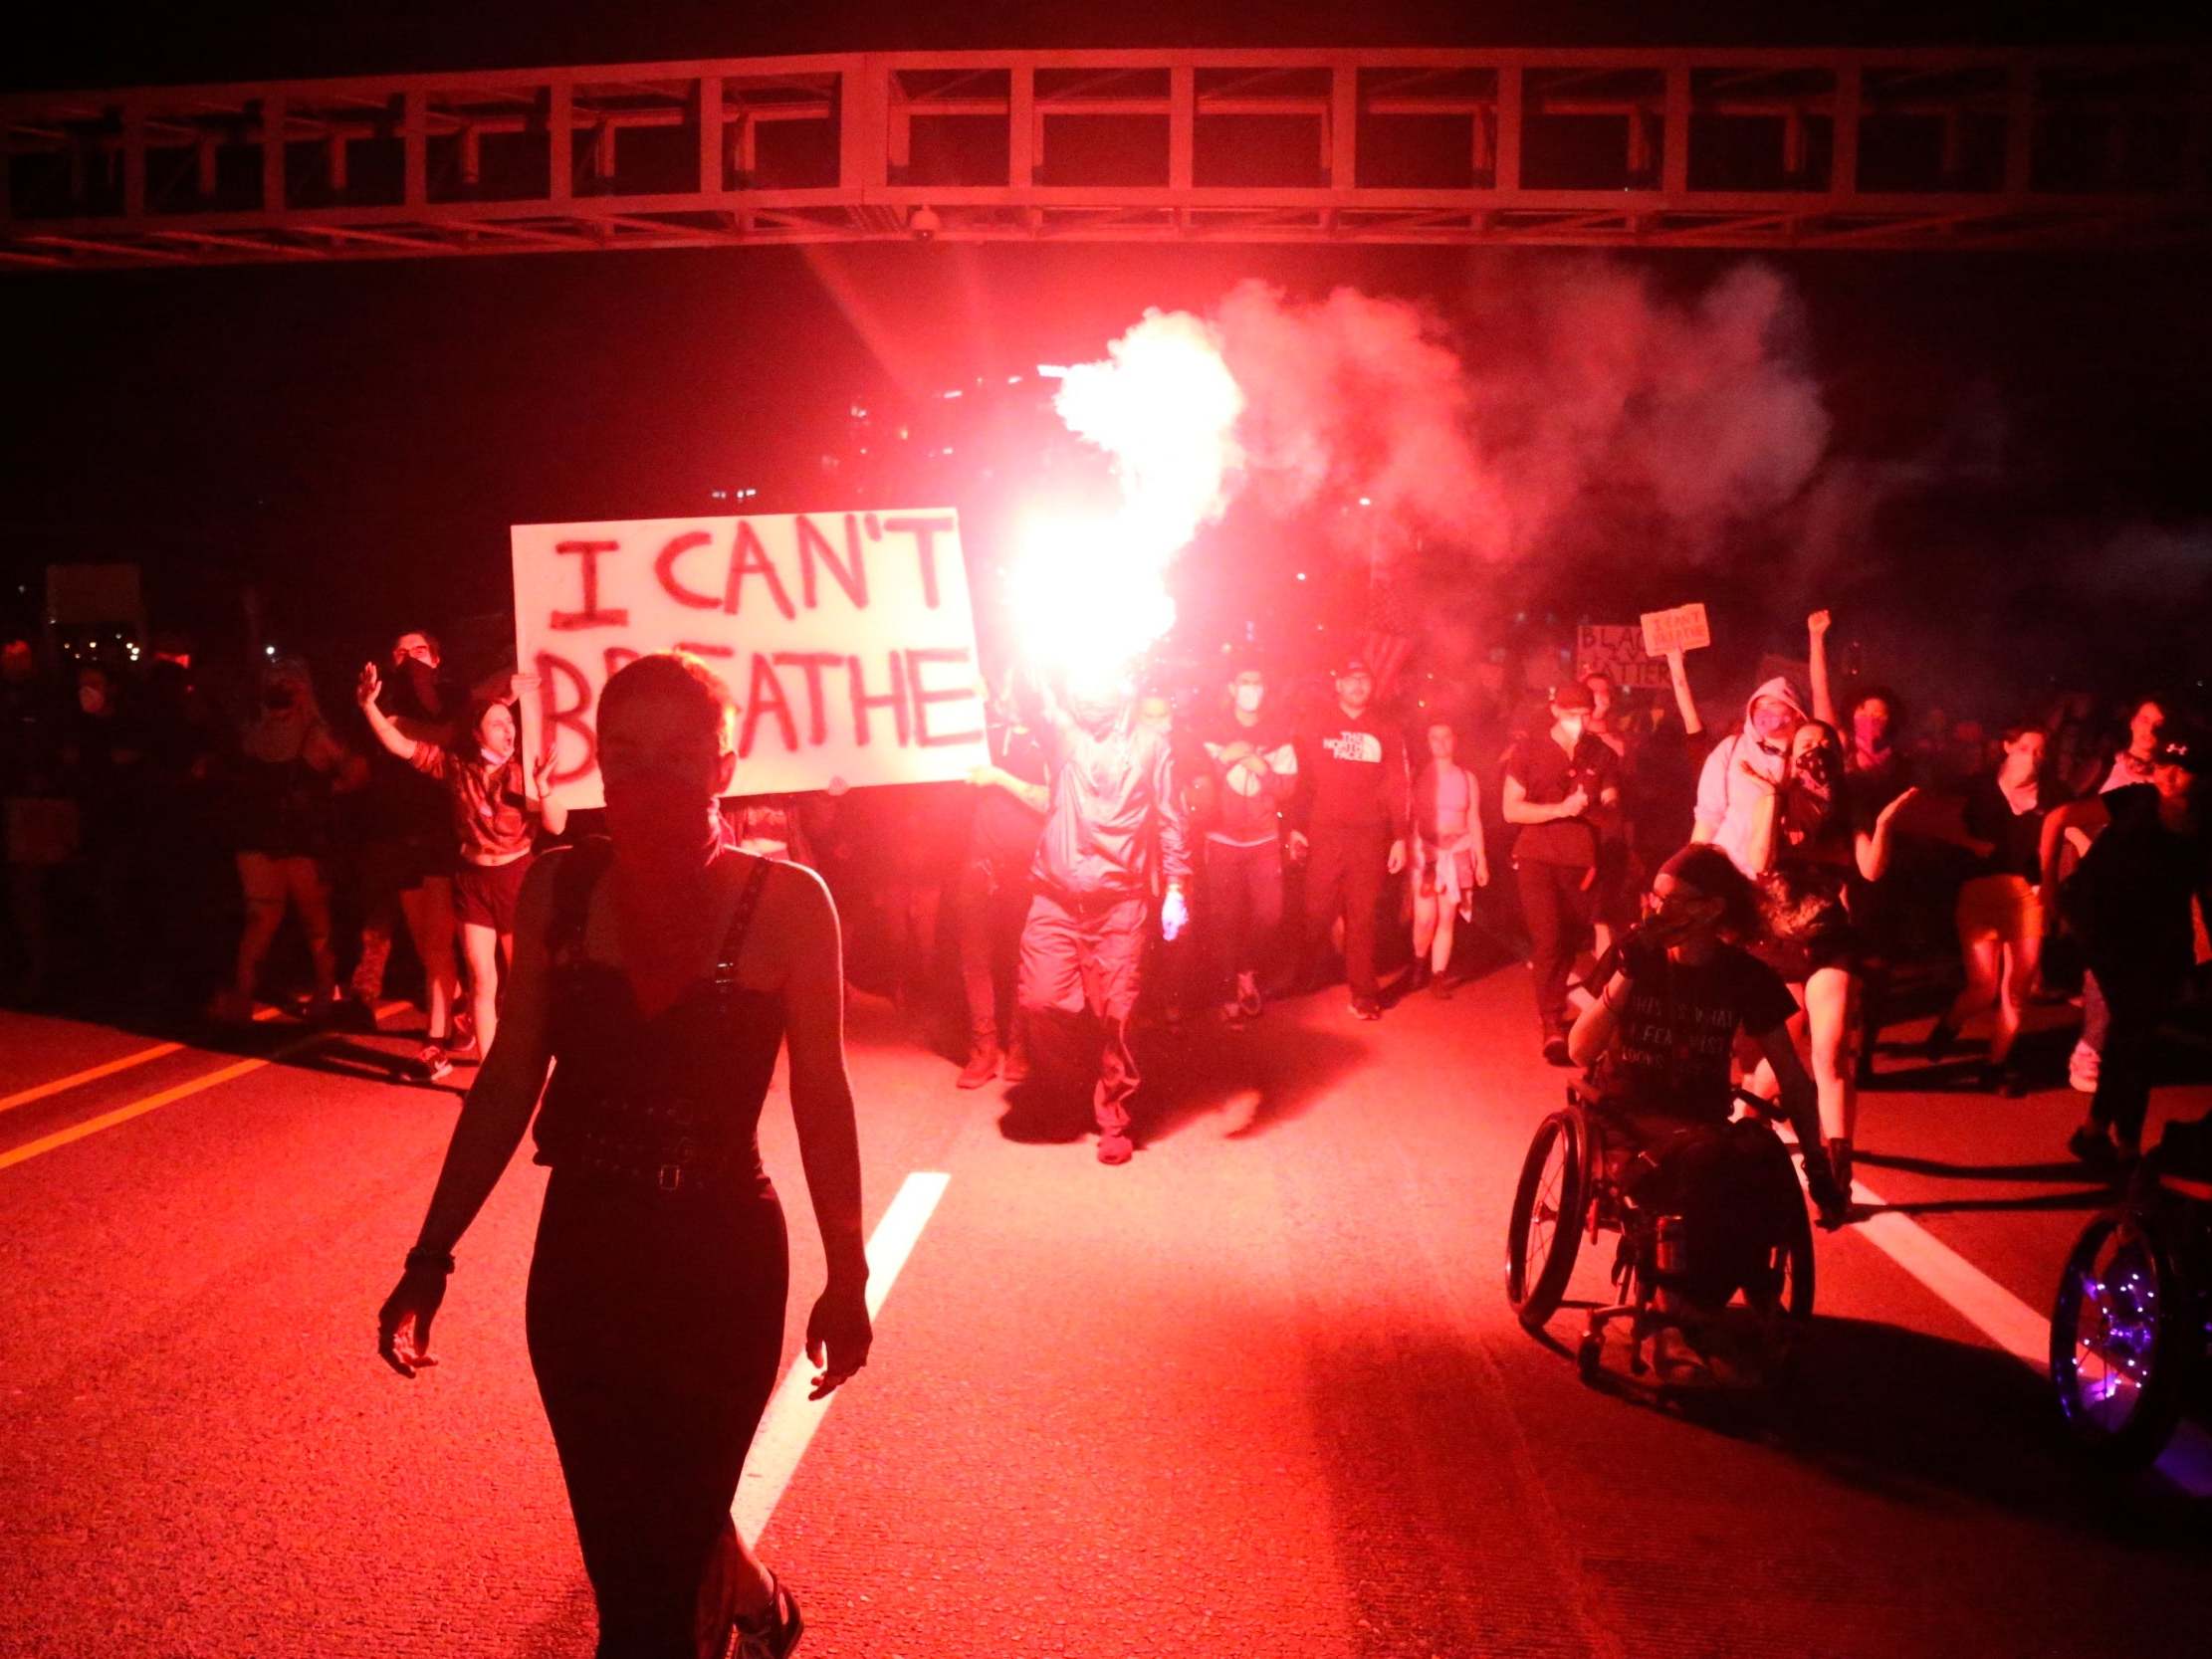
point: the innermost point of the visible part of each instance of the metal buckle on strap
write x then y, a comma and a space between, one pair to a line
671, 1177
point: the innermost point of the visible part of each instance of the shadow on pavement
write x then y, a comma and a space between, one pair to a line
1921, 1421
2081, 1199
2057, 1170
1281, 1066
1931, 1430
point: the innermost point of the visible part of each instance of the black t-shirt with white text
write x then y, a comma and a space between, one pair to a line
1676, 1034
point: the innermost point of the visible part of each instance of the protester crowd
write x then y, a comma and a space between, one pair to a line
1197, 852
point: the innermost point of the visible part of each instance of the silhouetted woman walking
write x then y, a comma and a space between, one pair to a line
663, 972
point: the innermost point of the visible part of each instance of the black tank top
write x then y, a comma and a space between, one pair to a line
671, 1100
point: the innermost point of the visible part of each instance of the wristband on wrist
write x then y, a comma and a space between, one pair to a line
423, 1259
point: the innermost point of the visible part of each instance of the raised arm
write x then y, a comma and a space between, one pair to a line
492, 1117
1873, 846
365, 691
551, 813
1816, 631
837, 1331
1677, 676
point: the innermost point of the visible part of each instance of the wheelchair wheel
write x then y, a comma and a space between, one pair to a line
1545, 1231
2118, 1350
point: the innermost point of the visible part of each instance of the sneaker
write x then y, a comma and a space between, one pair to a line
1017, 1068
982, 1066
2082, 1068
436, 1060
1115, 1148
1232, 1016
1366, 1008
1941, 1035
1555, 1052
775, 1630
1442, 987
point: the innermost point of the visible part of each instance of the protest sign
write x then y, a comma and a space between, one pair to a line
1616, 649
846, 638
1680, 629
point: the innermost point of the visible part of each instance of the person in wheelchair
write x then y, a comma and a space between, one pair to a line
1656, 1046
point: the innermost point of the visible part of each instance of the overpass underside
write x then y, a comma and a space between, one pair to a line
1653, 148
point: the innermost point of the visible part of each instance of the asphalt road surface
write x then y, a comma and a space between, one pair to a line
1258, 1394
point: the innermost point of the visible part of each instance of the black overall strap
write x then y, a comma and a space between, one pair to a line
740, 922
576, 877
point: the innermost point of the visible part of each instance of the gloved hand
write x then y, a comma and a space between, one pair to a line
1175, 913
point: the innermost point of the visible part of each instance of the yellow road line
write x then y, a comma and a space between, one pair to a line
151, 1103
90, 1073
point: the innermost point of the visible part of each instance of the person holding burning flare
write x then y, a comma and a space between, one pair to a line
1115, 810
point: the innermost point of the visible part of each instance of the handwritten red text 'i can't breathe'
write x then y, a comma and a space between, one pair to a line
846, 638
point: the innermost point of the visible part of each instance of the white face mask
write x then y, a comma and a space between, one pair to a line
494, 757
1248, 698
1570, 728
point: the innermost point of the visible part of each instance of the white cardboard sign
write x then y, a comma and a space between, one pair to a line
1682, 629
846, 638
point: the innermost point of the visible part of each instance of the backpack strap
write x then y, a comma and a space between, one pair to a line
740, 922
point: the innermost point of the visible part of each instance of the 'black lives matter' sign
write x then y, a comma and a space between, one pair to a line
848, 639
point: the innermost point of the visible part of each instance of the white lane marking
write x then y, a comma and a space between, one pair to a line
2004, 1318
792, 1419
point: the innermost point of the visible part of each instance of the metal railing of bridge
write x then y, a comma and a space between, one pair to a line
1734, 148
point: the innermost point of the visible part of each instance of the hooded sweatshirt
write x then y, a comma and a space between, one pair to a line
1726, 799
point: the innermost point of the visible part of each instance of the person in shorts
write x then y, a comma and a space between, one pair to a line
496, 807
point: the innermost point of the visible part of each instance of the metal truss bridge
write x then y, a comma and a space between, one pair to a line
1723, 149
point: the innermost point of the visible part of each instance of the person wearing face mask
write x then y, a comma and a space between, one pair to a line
290, 768
1254, 775
407, 847
1352, 815
1559, 783
2000, 907
2130, 900
1812, 835
659, 974
1744, 767
1449, 859
1116, 814
1658, 1045
494, 808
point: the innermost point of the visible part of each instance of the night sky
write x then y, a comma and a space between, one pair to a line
356, 438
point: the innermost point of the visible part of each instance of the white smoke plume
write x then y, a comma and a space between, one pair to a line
1576, 408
